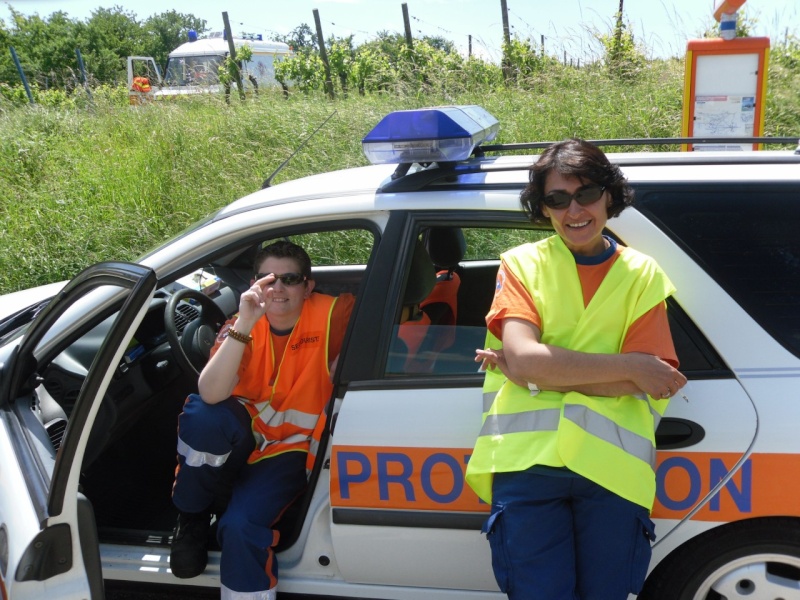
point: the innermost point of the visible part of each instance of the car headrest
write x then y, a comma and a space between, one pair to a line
421, 279
446, 246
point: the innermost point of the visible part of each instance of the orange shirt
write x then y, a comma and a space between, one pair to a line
649, 334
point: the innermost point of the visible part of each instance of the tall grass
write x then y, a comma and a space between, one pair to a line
83, 184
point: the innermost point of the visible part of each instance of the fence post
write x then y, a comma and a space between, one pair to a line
407, 26
22, 75
232, 50
506, 41
324, 56
83, 76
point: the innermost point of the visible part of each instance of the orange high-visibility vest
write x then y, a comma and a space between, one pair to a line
286, 414
141, 84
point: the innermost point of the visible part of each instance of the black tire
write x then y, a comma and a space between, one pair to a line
757, 559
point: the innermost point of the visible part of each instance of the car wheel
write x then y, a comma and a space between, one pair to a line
757, 558
192, 328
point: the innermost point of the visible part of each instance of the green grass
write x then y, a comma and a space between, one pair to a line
84, 184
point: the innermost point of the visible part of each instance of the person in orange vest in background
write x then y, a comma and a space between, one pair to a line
141, 84
247, 441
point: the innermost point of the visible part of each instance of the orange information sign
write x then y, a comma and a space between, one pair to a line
724, 90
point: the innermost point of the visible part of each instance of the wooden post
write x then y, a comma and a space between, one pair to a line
506, 40
407, 26
469, 46
323, 53
542, 44
618, 32
232, 50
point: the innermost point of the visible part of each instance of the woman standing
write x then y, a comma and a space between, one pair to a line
585, 368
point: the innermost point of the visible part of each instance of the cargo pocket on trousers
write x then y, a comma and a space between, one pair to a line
494, 528
642, 551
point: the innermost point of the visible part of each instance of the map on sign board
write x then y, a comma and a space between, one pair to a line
724, 116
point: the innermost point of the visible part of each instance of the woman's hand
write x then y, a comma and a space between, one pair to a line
653, 376
492, 359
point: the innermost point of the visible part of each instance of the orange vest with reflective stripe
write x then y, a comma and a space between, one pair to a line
141, 84
286, 414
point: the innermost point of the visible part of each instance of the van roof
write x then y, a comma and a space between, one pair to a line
219, 46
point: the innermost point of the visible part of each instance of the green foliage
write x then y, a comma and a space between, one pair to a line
623, 57
301, 39
525, 62
166, 31
303, 72
230, 70
46, 47
787, 54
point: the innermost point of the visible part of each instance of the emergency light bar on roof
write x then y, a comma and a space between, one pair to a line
426, 135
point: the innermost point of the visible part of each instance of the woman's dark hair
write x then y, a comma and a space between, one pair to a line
284, 249
581, 160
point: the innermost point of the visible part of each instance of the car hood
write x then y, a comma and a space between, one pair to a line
15, 301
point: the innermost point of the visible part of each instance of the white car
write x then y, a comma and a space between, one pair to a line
93, 375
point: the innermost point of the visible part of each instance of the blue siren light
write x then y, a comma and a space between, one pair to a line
439, 134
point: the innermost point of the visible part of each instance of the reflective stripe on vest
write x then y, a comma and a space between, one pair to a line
591, 438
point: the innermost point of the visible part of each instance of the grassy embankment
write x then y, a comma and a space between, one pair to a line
83, 185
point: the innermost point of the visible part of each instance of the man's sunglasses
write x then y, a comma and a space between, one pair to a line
588, 194
286, 278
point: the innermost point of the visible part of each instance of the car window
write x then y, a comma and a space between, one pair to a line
746, 239
433, 343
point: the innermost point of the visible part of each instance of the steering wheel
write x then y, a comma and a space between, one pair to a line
192, 346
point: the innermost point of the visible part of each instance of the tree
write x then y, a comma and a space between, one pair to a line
440, 43
166, 31
45, 47
112, 35
301, 39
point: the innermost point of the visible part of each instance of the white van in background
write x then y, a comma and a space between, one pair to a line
193, 67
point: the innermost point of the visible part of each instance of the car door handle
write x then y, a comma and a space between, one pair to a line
675, 433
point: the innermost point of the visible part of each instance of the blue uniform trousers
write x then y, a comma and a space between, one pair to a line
214, 442
555, 535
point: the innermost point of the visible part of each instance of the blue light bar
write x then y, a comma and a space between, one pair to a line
446, 133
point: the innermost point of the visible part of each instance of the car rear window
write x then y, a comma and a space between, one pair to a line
746, 237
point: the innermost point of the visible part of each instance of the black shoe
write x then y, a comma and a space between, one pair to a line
188, 553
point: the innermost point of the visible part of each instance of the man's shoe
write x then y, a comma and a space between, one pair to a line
188, 553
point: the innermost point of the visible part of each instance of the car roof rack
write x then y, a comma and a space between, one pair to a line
670, 141
448, 172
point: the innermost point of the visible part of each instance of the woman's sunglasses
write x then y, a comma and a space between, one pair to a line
285, 279
585, 196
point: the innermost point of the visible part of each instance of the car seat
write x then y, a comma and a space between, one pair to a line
446, 247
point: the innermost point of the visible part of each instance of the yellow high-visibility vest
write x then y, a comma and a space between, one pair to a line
610, 441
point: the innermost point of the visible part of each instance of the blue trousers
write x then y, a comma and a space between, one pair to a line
555, 535
214, 442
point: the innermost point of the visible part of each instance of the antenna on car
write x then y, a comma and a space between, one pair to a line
268, 180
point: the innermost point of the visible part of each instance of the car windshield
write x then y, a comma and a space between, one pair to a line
193, 70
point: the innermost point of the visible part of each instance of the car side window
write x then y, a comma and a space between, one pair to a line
746, 239
440, 335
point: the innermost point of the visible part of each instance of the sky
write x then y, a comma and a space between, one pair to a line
661, 26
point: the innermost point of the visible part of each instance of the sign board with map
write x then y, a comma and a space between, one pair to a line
724, 90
